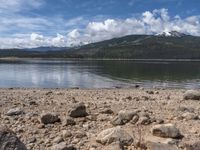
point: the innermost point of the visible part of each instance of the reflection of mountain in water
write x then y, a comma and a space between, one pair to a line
149, 74
153, 71
98, 74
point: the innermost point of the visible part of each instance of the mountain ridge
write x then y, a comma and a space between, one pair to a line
174, 46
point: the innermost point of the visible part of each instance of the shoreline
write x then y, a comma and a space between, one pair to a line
99, 59
153, 106
96, 89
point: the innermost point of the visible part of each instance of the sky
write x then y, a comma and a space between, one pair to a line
64, 23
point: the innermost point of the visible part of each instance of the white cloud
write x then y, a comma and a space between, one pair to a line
8, 6
59, 41
148, 22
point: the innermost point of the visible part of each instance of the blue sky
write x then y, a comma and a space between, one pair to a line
33, 23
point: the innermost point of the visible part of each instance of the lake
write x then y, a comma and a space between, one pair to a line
98, 74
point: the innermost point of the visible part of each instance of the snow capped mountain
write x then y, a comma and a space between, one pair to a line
172, 34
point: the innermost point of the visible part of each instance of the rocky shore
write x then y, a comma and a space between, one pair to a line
99, 119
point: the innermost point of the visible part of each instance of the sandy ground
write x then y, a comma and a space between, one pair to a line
162, 104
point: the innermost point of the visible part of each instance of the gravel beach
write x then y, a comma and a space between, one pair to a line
98, 119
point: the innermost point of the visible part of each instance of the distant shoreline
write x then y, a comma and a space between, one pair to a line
100, 59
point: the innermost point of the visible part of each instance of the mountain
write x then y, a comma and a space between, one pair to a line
173, 45
172, 34
45, 49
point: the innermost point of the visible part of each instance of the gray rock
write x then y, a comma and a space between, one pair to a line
155, 139
160, 146
107, 111
49, 118
14, 111
80, 134
66, 134
190, 116
144, 120
114, 146
32, 140
192, 94
33, 103
63, 146
78, 110
123, 117
192, 146
186, 109
158, 143
135, 119
68, 121
112, 135
150, 92
9, 141
58, 140
166, 131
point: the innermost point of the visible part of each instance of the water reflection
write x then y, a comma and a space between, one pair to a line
98, 74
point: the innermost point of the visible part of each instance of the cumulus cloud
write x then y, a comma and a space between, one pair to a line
154, 22
149, 22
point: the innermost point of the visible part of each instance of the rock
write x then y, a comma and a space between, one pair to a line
150, 92
135, 119
66, 134
114, 146
155, 139
123, 117
68, 121
49, 118
9, 141
190, 116
160, 146
144, 120
58, 140
80, 134
32, 140
166, 131
129, 98
78, 110
106, 111
14, 111
63, 146
160, 121
137, 86
186, 109
158, 143
33, 103
115, 134
192, 146
191, 94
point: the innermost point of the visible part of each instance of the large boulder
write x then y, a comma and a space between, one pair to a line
9, 141
78, 110
123, 117
192, 94
166, 131
49, 118
112, 135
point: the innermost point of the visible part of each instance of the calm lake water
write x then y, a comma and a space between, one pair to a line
98, 74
